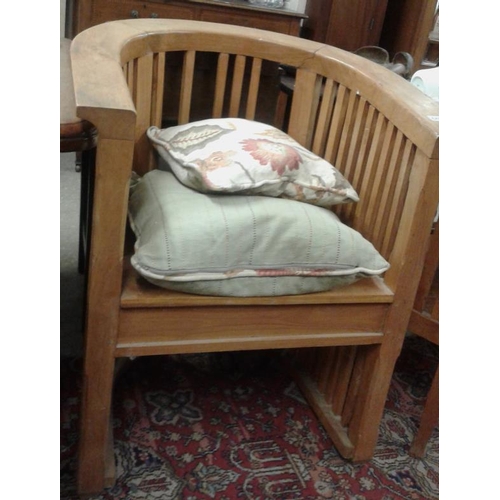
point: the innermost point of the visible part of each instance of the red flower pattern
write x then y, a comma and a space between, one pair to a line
279, 155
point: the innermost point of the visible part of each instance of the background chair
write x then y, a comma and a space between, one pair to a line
401, 64
78, 136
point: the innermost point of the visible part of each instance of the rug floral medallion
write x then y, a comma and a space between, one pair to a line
191, 429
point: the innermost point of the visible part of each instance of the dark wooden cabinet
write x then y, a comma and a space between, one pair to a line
347, 24
395, 25
409, 27
87, 13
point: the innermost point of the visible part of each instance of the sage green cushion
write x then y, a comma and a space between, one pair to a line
241, 245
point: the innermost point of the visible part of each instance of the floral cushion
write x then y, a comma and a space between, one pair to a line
215, 244
234, 155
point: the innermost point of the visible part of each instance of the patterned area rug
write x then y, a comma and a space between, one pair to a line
211, 428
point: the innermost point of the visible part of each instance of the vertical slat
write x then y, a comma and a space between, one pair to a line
157, 90
156, 99
331, 388
186, 86
354, 385
357, 135
143, 101
382, 215
366, 191
305, 100
220, 85
355, 151
337, 124
237, 86
398, 199
253, 89
325, 113
345, 364
329, 385
366, 140
379, 184
358, 159
130, 76
347, 129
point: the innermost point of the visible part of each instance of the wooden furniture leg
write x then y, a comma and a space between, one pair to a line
428, 420
424, 321
103, 296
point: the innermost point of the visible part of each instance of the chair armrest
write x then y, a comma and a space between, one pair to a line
101, 93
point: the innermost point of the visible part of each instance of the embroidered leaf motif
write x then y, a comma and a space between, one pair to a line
196, 137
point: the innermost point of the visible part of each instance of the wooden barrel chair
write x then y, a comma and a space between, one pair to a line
375, 127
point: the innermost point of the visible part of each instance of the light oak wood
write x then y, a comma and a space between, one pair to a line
138, 293
353, 389
251, 327
237, 87
380, 131
220, 84
336, 392
332, 422
303, 112
321, 133
346, 134
253, 89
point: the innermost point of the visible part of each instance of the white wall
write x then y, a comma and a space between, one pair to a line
296, 5
63, 18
